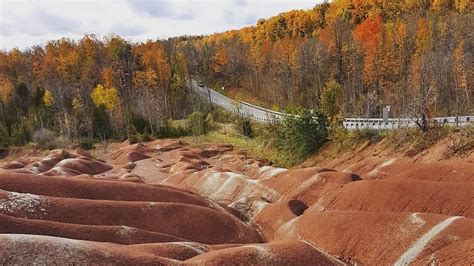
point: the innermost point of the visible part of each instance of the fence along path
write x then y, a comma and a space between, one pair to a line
262, 115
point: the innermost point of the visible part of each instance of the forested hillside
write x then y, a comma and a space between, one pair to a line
382, 52
345, 57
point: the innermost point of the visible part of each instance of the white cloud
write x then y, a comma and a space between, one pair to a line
24, 23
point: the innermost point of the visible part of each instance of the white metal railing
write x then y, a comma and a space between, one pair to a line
262, 115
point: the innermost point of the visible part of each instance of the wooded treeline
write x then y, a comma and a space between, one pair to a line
415, 55
91, 88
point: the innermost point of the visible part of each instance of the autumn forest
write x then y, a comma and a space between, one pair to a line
414, 55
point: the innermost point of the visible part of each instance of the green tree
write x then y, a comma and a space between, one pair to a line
21, 133
197, 124
332, 98
101, 124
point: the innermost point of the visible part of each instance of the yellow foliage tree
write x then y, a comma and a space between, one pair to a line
77, 106
442, 5
6, 88
106, 97
422, 36
219, 61
48, 98
462, 5
460, 70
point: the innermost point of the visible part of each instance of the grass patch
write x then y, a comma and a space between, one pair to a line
253, 147
343, 140
413, 141
460, 142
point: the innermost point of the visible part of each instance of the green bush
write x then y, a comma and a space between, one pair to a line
134, 138
371, 135
211, 124
220, 115
4, 137
139, 123
101, 125
172, 129
137, 137
86, 143
197, 124
21, 134
244, 127
132, 134
300, 136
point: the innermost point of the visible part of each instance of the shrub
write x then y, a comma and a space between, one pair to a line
133, 138
425, 139
244, 127
298, 137
197, 124
139, 123
44, 138
368, 135
86, 143
4, 137
21, 134
101, 123
62, 142
211, 124
414, 140
145, 137
172, 129
221, 115
138, 137
460, 142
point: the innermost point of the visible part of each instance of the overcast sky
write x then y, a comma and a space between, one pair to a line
27, 22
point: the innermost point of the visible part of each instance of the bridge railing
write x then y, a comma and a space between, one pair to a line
263, 115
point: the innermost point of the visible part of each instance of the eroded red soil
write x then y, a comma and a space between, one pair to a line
165, 202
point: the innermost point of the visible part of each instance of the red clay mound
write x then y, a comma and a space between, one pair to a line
82, 153
131, 153
90, 189
13, 165
169, 144
274, 253
285, 182
461, 172
460, 253
273, 218
84, 166
16, 249
51, 160
408, 213
239, 163
225, 187
191, 222
213, 150
113, 234
453, 246
131, 178
451, 198
377, 238
319, 186
64, 163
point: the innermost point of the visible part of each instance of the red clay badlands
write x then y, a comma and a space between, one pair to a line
165, 202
